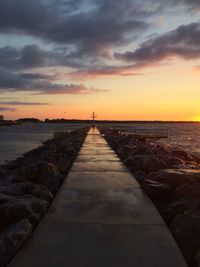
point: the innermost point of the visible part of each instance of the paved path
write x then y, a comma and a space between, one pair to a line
100, 218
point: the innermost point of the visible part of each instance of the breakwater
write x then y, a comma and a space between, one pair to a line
100, 217
28, 185
171, 178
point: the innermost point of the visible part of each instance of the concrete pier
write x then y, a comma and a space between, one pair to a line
100, 218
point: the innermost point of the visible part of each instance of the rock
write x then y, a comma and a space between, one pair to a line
14, 164
176, 177
41, 191
196, 158
18, 189
172, 161
7, 179
160, 193
140, 176
4, 198
125, 150
28, 207
182, 154
12, 239
179, 206
186, 230
187, 166
36, 171
35, 151
44, 173
64, 165
197, 257
52, 182
2, 172
18, 179
147, 163
187, 190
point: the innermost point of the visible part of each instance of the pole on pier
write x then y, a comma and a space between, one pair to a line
93, 119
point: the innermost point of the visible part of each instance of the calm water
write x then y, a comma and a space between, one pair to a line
185, 136
16, 140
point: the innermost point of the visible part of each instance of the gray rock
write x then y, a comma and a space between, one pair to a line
28, 207
12, 239
18, 189
64, 164
7, 179
187, 190
176, 177
148, 163
183, 155
2, 172
4, 198
186, 230
140, 176
44, 173
160, 193
172, 161
179, 206
41, 191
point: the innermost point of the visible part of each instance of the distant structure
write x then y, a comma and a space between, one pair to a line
1, 118
93, 118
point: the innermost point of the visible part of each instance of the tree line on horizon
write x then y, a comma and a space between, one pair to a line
62, 120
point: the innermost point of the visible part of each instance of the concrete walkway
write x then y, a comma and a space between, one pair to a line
100, 218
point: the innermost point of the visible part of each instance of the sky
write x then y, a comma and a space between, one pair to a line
123, 59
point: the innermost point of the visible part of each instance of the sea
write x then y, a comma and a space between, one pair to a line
18, 139
15, 140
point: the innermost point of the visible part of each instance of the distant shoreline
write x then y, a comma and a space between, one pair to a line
30, 120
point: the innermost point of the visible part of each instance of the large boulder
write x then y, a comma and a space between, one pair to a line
147, 163
179, 206
18, 189
186, 230
2, 172
187, 190
173, 161
45, 173
14, 164
4, 198
7, 179
176, 177
160, 193
42, 192
14, 236
36, 171
64, 164
125, 150
132, 149
140, 176
27, 207
183, 155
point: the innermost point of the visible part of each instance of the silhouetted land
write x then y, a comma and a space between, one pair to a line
62, 120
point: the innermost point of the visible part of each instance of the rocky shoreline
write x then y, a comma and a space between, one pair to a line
28, 185
171, 178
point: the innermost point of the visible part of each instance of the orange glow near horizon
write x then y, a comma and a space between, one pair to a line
170, 92
144, 65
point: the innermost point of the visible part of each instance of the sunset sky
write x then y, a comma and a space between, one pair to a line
123, 59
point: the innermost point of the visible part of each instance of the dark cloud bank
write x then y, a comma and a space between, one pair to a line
183, 42
84, 38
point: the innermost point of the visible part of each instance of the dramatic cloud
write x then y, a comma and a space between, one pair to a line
20, 103
85, 39
29, 56
91, 31
105, 70
10, 81
2, 109
183, 42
